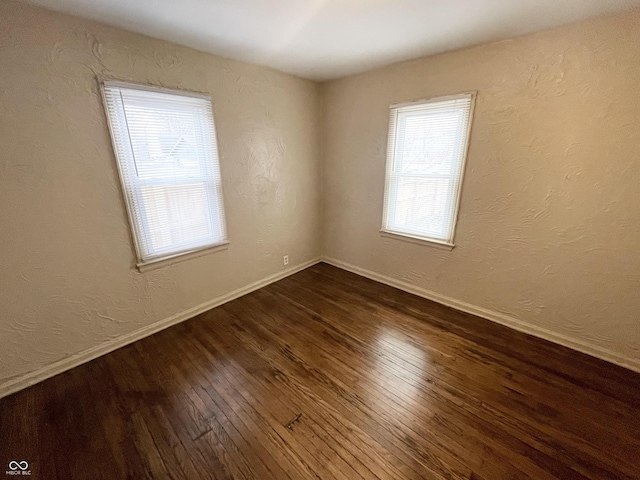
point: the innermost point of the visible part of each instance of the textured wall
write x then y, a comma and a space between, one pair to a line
67, 279
549, 225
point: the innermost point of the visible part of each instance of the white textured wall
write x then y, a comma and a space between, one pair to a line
549, 225
67, 279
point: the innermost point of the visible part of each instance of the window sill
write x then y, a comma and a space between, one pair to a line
180, 257
418, 240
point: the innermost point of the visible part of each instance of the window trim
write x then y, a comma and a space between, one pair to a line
405, 237
156, 263
448, 244
174, 257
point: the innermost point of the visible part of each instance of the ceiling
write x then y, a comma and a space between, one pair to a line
325, 39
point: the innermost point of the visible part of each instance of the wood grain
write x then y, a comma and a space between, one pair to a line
328, 375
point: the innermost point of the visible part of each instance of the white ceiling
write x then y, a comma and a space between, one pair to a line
324, 39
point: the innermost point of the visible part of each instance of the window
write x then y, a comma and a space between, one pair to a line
425, 161
165, 145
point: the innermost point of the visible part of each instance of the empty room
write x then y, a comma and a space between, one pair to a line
320, 239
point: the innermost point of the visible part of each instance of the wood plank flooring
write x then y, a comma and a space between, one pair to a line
329, 375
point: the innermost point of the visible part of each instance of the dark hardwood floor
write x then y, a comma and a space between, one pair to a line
326, 375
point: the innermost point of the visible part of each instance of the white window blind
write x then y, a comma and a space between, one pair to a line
165, 145
425, 160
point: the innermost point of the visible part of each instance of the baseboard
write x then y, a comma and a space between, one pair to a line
28, 379
508, 321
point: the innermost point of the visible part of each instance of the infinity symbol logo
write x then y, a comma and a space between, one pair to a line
23, 465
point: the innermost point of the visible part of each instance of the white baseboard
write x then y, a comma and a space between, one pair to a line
28, 379
508, 321
67, 363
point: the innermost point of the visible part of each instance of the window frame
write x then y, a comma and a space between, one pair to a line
448, 243
172, 256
